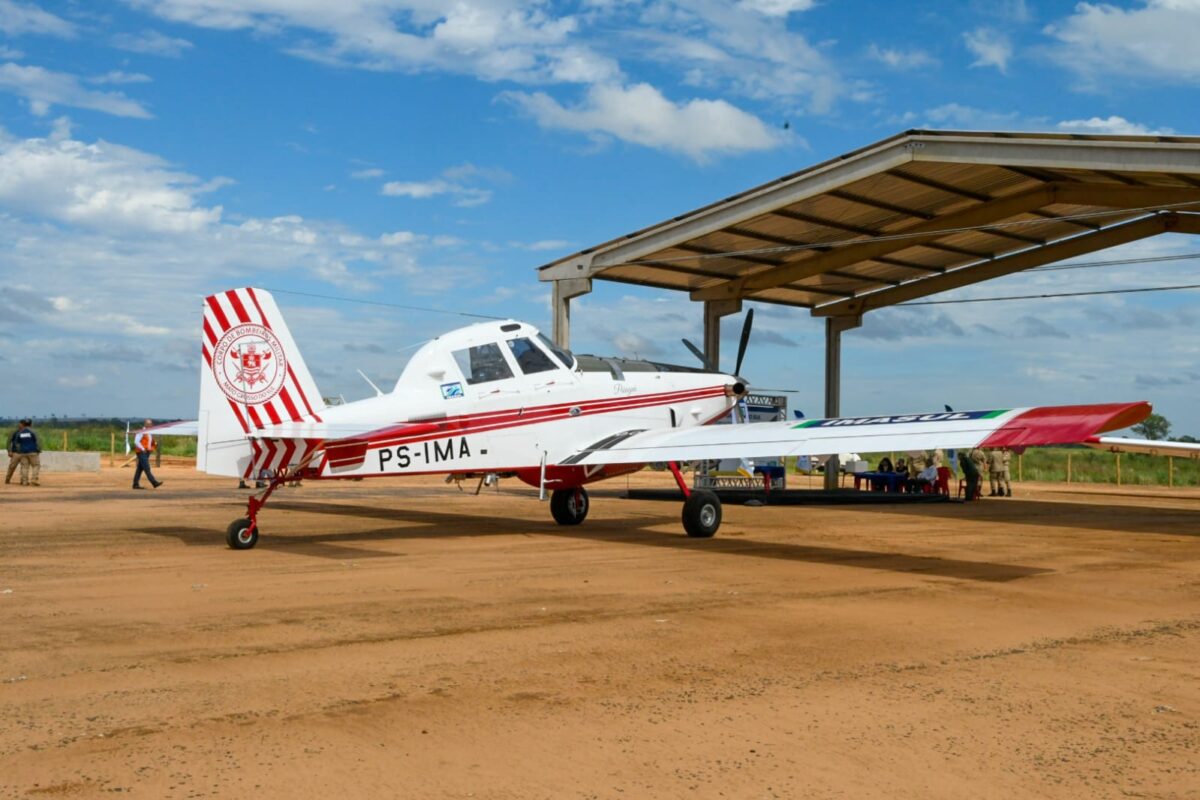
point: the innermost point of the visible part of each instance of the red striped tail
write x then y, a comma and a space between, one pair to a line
252, 377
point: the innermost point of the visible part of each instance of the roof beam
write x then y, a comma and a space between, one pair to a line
950, 188
922, 233
1112, 236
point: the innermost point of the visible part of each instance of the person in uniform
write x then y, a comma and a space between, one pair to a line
145, 445
24, 449
997, 467
978, 459
13, 461
1002, 477
970, 470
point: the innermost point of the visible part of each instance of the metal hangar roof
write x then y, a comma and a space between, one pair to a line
915, 214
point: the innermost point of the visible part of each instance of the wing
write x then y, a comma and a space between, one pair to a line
1018, 427
1115, 444
182, 428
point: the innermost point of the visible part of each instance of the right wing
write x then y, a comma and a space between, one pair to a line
1150, 447
1019, 427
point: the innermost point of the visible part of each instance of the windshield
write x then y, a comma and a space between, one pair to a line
564, 356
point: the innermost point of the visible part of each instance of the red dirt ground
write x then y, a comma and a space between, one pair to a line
403, 639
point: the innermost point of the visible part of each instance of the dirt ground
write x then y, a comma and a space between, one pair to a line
403, 639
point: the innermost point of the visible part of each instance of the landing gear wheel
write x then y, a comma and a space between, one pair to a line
701, 514
569, 506
241, 535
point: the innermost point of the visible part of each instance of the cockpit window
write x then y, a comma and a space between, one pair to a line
562, 355
483, 363
530, 357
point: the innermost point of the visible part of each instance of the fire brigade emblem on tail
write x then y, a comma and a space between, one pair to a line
249, 364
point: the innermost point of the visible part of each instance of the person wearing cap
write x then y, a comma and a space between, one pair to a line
25, 451
145, 444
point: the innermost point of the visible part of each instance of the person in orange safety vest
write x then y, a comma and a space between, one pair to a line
145, 444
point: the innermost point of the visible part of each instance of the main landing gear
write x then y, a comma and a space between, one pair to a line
701, 508
569, 506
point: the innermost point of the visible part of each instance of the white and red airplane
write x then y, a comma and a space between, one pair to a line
499, 399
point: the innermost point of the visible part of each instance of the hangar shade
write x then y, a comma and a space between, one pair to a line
919, 213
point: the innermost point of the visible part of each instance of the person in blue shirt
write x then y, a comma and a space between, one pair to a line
25, 451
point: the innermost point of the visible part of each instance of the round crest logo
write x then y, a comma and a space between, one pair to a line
249, 364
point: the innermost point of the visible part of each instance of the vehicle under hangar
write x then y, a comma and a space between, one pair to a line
917, 214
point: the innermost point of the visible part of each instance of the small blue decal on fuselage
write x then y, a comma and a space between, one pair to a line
451, 390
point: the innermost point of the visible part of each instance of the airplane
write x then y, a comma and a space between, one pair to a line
499, 399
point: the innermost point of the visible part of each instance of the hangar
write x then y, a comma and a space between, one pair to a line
910, 216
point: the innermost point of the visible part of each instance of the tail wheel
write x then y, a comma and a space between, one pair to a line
569, 506
701, 514
241, 534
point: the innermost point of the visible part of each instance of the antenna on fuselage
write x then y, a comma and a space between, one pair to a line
378, 391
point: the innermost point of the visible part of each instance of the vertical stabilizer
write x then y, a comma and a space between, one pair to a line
252, 376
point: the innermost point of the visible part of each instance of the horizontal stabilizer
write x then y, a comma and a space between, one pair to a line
1150, 447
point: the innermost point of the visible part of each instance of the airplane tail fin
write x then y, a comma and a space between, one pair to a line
252, 376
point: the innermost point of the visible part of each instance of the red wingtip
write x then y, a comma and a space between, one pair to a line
1066, 424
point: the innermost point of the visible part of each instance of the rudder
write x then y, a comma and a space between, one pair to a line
252, 376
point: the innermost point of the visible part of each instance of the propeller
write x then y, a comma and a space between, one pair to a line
741, 354
745, 340
698, 353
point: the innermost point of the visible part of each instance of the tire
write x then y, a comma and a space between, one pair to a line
239, 536
701, 514
569, 506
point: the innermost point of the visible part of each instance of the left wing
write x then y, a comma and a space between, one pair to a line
1018, 427
1115, 444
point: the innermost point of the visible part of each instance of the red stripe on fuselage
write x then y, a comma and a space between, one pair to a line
470, 424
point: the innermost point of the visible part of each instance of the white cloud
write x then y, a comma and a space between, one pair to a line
10, 53
43, 89
502, 40
117, 76
366, 174
541, 245
776, 8
458, 182
398, 238
963, 117
153, 43
20, 18
77, 381
1156, 38
747, 47
895, 58
99, 185
1111, 124
641, 115
990, 48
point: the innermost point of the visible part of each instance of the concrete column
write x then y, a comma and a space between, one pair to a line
563, 291
713, 311
834, 327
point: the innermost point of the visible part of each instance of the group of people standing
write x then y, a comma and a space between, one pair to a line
994, 462
24, 451
921, 469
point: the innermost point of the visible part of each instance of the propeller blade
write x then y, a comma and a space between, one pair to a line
737, 369
698, 353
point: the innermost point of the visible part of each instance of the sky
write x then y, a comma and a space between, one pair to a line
433, 154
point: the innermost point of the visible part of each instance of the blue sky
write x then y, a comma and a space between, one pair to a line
434, 154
